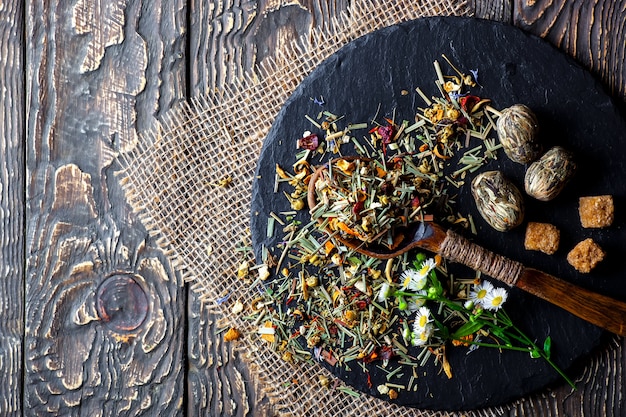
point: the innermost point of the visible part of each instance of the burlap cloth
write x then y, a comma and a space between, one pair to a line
171, 178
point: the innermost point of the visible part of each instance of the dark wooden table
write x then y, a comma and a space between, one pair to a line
94, 320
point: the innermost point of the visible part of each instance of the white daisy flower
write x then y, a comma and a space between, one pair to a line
423, 336
413, 280
408, 277
422, 319
427, 266
495, 299
384, 293
416, 302
480, 292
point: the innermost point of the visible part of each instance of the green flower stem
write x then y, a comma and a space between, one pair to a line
494, 345
408, 294
499, 323
520, 337
537, 349
447, 301
516, 334
527, 350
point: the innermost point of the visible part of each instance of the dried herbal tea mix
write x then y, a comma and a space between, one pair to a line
320, 300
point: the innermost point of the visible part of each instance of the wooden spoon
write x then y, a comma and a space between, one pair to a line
603, 311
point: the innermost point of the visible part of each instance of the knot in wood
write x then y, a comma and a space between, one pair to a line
122, 303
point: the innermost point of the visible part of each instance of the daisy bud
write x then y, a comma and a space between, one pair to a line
402, 304
476, 314
406, 332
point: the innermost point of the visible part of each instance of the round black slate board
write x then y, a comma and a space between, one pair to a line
573, 110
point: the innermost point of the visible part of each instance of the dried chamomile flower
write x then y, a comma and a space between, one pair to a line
264, 272
237, 307
243, 270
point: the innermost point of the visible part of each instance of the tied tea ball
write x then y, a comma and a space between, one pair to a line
517, 129
498, 200
546, 177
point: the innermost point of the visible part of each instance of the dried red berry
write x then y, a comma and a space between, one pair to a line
310, 142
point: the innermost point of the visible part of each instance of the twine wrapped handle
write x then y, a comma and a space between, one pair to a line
456, 248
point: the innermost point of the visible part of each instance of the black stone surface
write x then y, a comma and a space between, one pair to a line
573, 110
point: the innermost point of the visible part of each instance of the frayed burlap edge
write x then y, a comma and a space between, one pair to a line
171, 180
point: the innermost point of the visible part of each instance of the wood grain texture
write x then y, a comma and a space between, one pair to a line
11, 207
104, 308
263, 27
591, 31
500, 10
109, 329
219, 380
230, 38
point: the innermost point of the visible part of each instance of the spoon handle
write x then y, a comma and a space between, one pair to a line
456, 248
603, 311
598, 309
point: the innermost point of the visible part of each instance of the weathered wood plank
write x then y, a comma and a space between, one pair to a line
11, 206
228, 39
500, 10
591, 31
219, 380
104, 307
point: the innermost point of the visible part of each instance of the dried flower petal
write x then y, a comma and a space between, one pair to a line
232, 334
264, 273
393, 394
242, 271
237, 307
267, 332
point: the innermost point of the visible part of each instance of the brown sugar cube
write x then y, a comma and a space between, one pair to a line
585, 256
596, 211
543, 237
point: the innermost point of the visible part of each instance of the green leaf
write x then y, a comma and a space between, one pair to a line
468, 328
547, 346
444, 332
535, 354
500, 333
